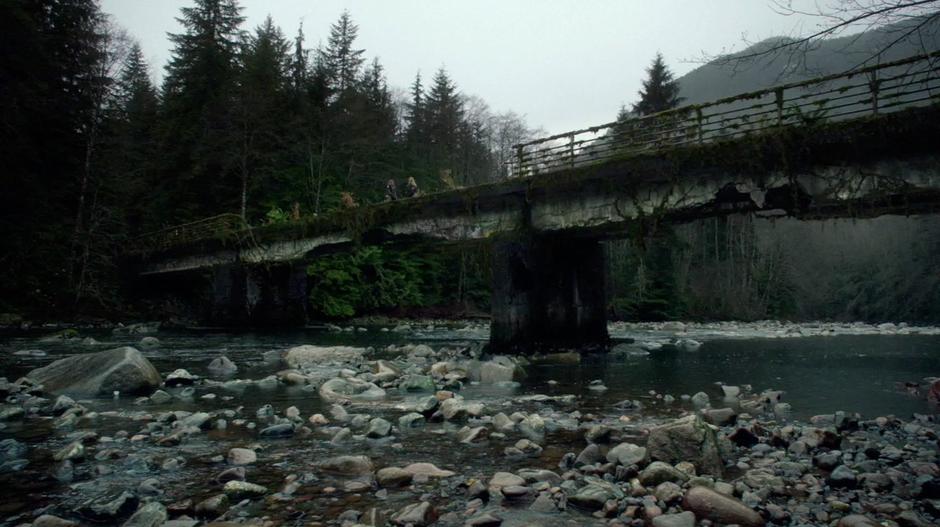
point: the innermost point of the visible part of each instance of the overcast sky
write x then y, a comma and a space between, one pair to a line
564, 64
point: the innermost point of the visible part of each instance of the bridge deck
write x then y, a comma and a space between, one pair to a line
666, 164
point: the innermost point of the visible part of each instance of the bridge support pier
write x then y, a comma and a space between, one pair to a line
260, 296
549, 295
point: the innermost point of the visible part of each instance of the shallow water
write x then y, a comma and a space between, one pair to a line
854, 373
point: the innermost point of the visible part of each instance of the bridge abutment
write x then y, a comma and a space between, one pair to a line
548, 295
257, 296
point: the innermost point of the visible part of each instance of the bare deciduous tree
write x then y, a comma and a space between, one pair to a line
903, 21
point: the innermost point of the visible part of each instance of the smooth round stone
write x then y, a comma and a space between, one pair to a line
393, 477
484, 520
356, 486
242, 456
506, 479
278, 430
515, 491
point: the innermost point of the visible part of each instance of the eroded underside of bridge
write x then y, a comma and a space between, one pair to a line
548, 266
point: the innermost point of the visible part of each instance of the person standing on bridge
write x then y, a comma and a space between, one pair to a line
347, 200
391, 191
411, 188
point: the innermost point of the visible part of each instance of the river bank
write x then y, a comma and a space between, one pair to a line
286, 437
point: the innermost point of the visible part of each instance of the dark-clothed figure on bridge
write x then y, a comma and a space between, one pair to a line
411, 188
391, 191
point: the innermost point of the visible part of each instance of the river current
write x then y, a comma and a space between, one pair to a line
820, 370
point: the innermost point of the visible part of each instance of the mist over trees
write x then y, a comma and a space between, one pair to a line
247, 121
741, 267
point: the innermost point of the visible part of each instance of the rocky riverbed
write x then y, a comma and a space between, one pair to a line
411, 431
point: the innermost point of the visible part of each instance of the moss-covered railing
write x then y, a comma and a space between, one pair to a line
857, 93
224, 227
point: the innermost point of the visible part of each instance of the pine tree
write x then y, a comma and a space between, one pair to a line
133, 159
660, 91
50, 54
415, 111
262, 106
623, 125
208, 46
381, 117
299, 68
369, 124
198, 128
342, 59
444, 112
136, 94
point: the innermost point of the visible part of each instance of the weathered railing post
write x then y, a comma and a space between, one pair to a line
520, 153
698, 125
571, 150
874, 84
778, 93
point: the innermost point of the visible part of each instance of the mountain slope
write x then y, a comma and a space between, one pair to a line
722, 79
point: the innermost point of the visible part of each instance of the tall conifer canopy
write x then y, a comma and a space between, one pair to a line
660, 91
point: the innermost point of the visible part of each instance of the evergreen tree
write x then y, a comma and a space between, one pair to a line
94, 154
444, 112
625, 128
343, 61
134, 145
415, 110
299, 68
377, 126
262, 106
50, 51
136, 95
381, 119
320, 86
660, 91
198, 128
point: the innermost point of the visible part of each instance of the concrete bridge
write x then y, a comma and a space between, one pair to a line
855, 145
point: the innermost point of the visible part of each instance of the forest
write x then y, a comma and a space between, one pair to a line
246, 121
257, 123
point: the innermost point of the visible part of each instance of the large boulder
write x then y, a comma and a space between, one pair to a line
310, 356
122, 370
339, 389
687, 439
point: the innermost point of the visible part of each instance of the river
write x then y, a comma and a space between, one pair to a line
819, 369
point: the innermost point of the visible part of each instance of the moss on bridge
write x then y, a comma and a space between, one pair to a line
789, 150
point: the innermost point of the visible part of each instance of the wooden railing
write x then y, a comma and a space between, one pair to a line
863, 92
223, 226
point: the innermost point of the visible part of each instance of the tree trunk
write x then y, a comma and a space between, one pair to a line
320, 176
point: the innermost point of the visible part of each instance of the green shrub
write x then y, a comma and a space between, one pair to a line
372, 279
